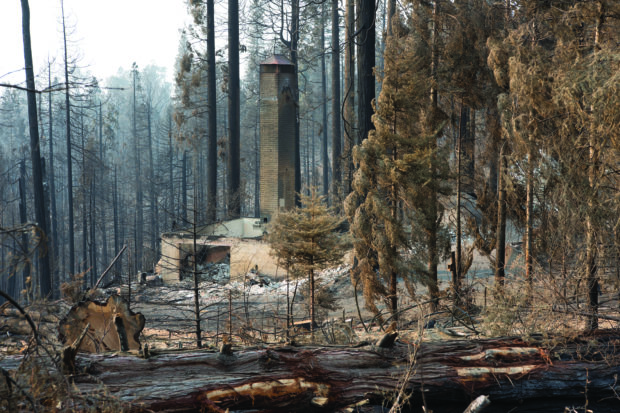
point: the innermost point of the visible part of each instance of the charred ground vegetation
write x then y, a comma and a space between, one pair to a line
462, 235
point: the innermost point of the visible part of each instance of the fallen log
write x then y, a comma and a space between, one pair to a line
328, 379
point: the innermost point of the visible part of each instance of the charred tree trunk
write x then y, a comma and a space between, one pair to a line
115, 207
365, 66
152, 189
45, 279
349, 97
212, 114
324, 136
70, 231
508, 370
500, 260
184, 190
23, 218
52, 183
104, 203
139, 228
336, 137
233, 176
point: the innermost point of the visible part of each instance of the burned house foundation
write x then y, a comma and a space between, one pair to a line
225, 251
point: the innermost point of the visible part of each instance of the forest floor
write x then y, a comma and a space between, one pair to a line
251, 312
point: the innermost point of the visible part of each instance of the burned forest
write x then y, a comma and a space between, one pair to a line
314, 206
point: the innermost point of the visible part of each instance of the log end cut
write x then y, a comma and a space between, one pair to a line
113, 326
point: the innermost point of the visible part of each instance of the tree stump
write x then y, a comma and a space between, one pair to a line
113, 326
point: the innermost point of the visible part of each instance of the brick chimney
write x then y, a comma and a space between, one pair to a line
277, 135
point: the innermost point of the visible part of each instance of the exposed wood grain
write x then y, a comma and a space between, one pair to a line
302, 379
113, 326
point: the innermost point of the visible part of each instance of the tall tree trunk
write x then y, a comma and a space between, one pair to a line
365, 66
84, 192
312, 301
45, 278
432, 217
336, 134
139, 224
117, 235
170, 175
502, 164
52, 183
93, 237
152, 190
196, 276
294, 59
102, 207
349, 96
500, 249
593, 176
212, 115
234, 181
324, 158
469, 154
184, 189
70, 232
529, 216
23, 218
456, 274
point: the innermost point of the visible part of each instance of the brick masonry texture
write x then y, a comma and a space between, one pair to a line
277, 141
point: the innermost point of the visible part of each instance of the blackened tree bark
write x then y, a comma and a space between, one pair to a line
45, 278
23, 217
139, 242
233, 176
349, 96
512, 372
70, 232
169, 216
115, 206
83, 197
212, 116
500, 254
52, 179
154, 212
433, 203
324, 145
292, 45
184, 189
336, 135
529, 216
104, 232
365, 66
594, 173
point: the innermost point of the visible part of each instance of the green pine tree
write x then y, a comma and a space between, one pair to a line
306, 240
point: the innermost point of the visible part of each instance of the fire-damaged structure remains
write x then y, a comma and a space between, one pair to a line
224, 250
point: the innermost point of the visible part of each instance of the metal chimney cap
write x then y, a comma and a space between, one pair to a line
277, 59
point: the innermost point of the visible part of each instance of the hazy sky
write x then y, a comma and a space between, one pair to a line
107, 34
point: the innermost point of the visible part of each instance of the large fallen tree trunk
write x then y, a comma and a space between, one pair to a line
326, 379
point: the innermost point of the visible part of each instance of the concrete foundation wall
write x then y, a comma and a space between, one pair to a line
244, 255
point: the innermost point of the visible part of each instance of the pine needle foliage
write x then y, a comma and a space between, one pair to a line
398, 167
562, 112
306, 239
